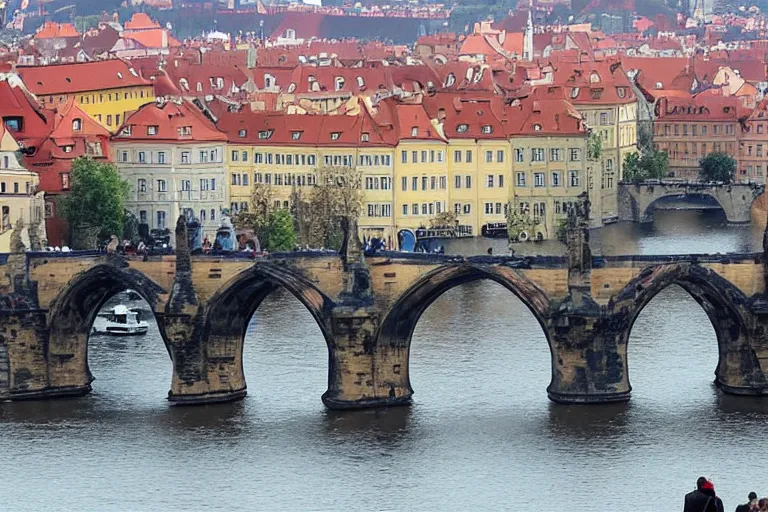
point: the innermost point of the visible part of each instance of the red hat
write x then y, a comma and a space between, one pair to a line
708, 485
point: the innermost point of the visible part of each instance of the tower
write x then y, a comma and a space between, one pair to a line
528, 39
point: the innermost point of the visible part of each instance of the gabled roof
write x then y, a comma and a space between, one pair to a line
170, 121
600, 82
51, 30
16, 102
467, 117
141, 21
80, 77
538, 117
413, 123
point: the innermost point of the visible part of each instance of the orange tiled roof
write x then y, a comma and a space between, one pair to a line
170, 118
52, 30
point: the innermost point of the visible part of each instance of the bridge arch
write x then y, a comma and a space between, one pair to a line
71, 316
229, 311
396, 329
724, 305
637, 201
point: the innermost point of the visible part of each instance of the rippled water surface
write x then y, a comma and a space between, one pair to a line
481, 434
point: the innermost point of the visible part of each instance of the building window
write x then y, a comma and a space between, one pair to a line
489, 157
161, 157
142, 157
468, 158
573, 177
574, 154
538, 179
161, 186
490, 181
501, 180
123, 156
457, 156
77, 125
142, 186
403, 157
521, 179
185, 157
186, 185
64, 181
404, 183
500, 156
151, 130
235, 156
519, 155
489, 208
405, 209
468, 182
555, 155
537, 154
457, 181
555, 179
160, 220
109, 119
143, 217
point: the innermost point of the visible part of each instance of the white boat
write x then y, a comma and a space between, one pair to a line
121, 321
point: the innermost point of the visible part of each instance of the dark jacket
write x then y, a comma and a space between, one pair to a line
702, 501
743, 508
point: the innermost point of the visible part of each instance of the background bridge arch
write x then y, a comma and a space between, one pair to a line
637, 200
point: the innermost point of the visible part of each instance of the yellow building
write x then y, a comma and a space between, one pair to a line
421, 169
107, 90
19, 197
549, 165
285, 151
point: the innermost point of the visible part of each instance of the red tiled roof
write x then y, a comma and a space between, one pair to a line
17, 103
543, 117
85, 76
466, 116
170, 118
708, 106
157, 38
413, 123
601, 82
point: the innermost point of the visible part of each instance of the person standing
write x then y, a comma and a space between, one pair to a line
703, 498
749, 505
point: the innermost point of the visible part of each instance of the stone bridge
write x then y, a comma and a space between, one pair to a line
637, 201
367, 309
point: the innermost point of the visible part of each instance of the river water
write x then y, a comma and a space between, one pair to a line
480, 435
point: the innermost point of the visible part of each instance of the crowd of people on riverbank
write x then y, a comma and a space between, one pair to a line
705, 499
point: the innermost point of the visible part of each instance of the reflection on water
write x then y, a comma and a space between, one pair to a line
481, 433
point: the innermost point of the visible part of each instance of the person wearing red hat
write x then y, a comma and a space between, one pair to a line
703, 499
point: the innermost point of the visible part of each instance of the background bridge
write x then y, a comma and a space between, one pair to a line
637, 201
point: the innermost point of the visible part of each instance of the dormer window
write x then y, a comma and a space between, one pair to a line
119, 75
462, 128
269, 81
295, 135
199, 87
575, 92
596, 94
659, 85
537, 127
77, 125
67, 149
242, 133
339, 81
184, 84
126, 132
365, 137
290, 34
185, 131
152, 130
335, 135
450, 80
265, 134
291, 88
594, 78
622, 92
415, 131
487, 129
360, 82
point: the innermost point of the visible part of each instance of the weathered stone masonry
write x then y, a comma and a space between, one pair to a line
367, 309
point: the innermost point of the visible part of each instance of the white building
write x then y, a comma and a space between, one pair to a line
173, 158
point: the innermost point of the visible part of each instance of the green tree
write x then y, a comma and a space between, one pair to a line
281, 235
594, 146
717, 167
650, 165
257, 216
338, 196
96, 200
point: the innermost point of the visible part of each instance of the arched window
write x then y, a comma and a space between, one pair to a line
77, 125
339, 81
